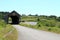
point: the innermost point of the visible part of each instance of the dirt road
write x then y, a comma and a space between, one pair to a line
25, 33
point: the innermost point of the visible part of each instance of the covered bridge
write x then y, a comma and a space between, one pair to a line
15, 17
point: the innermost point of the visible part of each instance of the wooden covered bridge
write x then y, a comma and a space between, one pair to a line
15, 17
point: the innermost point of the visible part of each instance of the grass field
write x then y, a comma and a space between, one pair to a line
51, 29
7, 32
46, 23
28, 18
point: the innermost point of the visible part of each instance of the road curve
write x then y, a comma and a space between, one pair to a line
25, 33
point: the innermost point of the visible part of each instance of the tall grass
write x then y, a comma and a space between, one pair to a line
5, 29
41, 27
47, 23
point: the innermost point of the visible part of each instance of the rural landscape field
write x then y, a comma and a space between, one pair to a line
47, 23
43, 22
29, 19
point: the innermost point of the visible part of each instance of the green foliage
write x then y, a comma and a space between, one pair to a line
4, 29
23, 15
2, 24
58, 19
49, 29
29, 15
39, 27
43, 16
47, 23
53, 16
36, 14
2, 14
38, 19
28, 18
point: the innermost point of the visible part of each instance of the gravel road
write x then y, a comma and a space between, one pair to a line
25, 33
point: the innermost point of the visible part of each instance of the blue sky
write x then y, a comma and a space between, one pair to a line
40, 7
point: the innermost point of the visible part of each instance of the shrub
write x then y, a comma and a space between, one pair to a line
59, 26
39, 25
2, 23
47, 25
49, 29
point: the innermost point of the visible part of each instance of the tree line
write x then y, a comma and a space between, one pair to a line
53, 17
2, 14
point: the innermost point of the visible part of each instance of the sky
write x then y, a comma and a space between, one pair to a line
40, 7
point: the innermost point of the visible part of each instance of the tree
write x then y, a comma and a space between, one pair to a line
38, 19
23, 15
58, 19
36, 14
29, 15
43, 16
2, 14
53, 16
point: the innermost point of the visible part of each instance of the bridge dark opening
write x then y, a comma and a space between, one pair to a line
15, 20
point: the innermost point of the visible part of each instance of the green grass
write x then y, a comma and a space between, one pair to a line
5, 29
50, 29
46, 23
28, 18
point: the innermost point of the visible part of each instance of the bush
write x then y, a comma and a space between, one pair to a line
49, 29
39, 25
2, 23
59, 26
4, 29
47, 25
